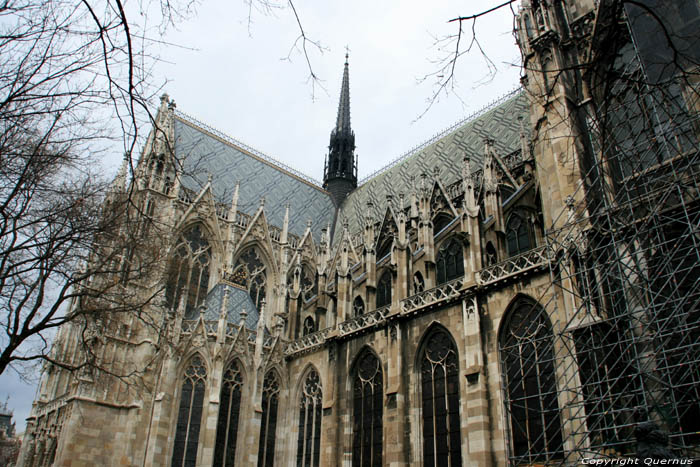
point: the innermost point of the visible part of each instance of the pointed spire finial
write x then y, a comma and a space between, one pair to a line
341, 164
343, 121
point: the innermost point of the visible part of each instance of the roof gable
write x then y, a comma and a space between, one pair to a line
500, 123
204, 152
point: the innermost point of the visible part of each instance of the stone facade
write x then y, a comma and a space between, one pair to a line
420, 269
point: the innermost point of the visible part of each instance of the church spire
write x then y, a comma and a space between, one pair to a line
340, 171
343, 121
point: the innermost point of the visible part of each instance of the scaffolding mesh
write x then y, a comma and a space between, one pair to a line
623, 347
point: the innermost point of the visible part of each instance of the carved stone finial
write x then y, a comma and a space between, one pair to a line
244, 316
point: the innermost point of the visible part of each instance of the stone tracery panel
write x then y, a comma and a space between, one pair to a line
309, 440
368, 392
250, 272
189, 414
229, 412
188, 271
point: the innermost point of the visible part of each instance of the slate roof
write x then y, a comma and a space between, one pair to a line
238, 299
498, 122
206, 151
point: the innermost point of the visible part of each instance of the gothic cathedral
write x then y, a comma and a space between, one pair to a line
517, 291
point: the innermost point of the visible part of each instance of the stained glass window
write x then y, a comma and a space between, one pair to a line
527, 363
188, 272
384, 290
189, 417
517, 235
270, 401
309, 441
367, 412
440, 401
229, 411
250, 272
450, 262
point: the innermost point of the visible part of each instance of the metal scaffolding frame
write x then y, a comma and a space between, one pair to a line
625, 274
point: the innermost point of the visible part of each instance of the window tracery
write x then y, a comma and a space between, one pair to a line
358, 306
190, 414
384, 290
309, 284
527, 363
518, 235
229, 411
270, 401
188, 272
418, 283
250, 272
309, 326
368, 393
450, 261
309, 441
440, 401
491, 255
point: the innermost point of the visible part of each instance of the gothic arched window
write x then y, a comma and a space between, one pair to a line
309, 326
358, 306
309, 284
229, 411
418, 283
384, 290
188, 272
526, 345
674, 315
450, 261
190, 414
439, 370
270, 400
441, 221
250, 272
491, 255
518, 235
309, 441
367, 399
529, 30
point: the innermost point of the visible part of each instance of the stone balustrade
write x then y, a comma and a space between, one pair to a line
443, 292
50, 406
514, 266
188, 326
363, 321
307, 342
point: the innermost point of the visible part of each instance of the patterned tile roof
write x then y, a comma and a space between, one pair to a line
206, 151
238, 299
498, 122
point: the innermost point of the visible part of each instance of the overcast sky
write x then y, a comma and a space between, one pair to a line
233, 76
